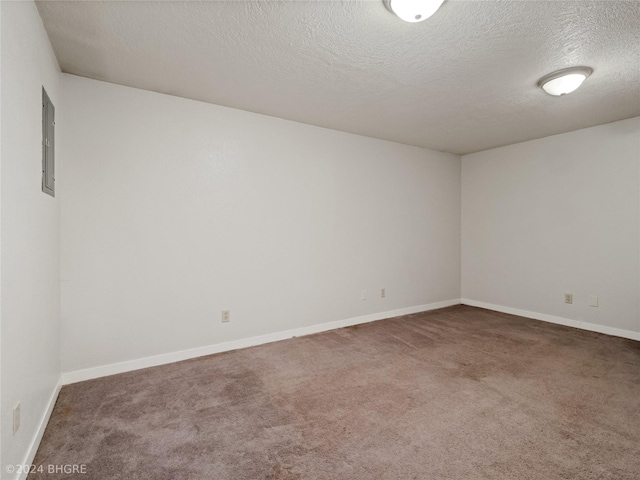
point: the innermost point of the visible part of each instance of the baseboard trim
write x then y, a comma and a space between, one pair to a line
122, 367
37, 438
593, 327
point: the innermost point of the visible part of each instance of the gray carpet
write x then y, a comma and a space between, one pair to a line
458, 393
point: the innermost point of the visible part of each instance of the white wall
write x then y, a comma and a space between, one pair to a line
173, 210
29, 259
555, 215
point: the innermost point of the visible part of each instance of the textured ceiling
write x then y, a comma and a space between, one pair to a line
460, 82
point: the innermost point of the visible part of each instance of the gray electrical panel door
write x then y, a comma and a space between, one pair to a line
48, 145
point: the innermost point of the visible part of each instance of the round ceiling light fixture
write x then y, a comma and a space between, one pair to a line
564, 81
413, 10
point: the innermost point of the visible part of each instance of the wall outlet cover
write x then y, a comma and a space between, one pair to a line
16, 418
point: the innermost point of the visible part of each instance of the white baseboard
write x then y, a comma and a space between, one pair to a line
593, 327
121, 367
44, 421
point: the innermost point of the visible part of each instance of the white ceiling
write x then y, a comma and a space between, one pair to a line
462, 81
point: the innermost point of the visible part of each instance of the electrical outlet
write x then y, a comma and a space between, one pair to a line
363, 295
226, 316
383, 292
16, 418
593, 301
568, 298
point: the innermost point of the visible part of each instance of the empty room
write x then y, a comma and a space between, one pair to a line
323, 239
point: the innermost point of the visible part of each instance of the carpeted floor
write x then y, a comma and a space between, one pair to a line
458, 393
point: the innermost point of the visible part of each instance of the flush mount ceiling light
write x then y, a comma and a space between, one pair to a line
413, 10
564, 81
